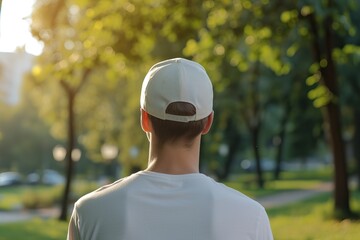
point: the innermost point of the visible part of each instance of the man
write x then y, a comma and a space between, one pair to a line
171, 200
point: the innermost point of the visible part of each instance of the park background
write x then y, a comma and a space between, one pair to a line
287, 97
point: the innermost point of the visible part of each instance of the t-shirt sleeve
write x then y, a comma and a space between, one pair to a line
73, 229
264, 230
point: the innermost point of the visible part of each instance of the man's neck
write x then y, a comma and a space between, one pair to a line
174, 158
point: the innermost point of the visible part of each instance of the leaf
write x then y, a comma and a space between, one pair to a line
191, 48
317, 92
292, 49
313, 79
288, 16
306, 10
217, 17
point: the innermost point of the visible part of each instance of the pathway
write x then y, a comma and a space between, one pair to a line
288, 197
23, 215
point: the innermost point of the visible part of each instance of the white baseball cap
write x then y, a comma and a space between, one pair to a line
177, 80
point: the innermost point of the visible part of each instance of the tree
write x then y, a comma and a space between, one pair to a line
69, 79
317, 24
18, 124
92, 53
239, 43
349, 86
242, 44
80, 43
328, 82
347, 54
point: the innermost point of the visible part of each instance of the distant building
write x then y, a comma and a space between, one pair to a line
14, 34
13, 66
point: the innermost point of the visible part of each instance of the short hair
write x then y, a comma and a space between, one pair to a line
172, 131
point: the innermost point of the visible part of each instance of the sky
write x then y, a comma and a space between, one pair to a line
15, 27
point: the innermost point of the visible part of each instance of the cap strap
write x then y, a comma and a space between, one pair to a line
180, 118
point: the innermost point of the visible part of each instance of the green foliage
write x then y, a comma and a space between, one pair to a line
30, 197
82, 187
34, 198
11, 198
18, 124
254, 51
92, 40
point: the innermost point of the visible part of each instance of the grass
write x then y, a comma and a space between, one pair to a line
273, 187
312, 219
35, 229
294, 180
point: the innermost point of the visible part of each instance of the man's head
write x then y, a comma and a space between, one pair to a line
177, 98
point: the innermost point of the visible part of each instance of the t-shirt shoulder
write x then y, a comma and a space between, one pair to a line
101, 192
235, 194
219, 189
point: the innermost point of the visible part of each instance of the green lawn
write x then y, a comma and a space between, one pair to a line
294, 180
273, 187
311, 219
35, 229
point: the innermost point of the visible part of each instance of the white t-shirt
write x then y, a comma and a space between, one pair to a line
156, 206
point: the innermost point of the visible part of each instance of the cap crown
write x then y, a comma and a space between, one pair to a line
177, 80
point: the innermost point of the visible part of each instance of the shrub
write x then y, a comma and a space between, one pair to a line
41, 197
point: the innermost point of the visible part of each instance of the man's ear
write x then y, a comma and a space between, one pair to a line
209, 122
145, 121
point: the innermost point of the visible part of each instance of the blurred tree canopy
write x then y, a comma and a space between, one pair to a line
275, 67
24, 141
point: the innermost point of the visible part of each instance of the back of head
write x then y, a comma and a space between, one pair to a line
178, 96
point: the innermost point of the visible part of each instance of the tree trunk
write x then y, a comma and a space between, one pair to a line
254, 123
341, 190
256, 149
356, 144
332, 114
280, 146
69, 160
229, 159
233, 139
279, 154
356, 138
